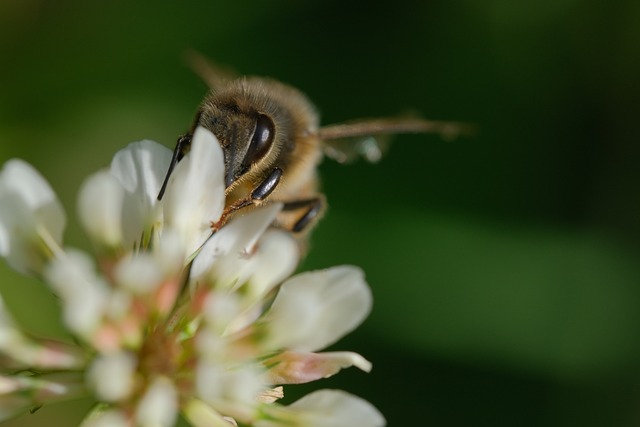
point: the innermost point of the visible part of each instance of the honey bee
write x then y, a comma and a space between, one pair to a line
272, 142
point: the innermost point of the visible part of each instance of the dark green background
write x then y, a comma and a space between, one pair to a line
504, 266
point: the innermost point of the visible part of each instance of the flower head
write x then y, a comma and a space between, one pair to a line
168, 316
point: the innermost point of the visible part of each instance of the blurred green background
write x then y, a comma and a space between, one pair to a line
504, 266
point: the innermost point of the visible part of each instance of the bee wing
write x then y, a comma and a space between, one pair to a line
347, 150
370, 138
214, 75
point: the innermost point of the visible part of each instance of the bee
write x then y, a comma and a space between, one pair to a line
272, 141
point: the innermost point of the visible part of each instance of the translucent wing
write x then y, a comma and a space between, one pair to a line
347, 150
370, 138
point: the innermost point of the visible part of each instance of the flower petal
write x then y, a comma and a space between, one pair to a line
159, 405
100, 209
292, 367
313, 310
140, 168
323, 408
112, 375
138, 274
336, 408
30, 215
21, 178
84, 295
225, 256
199, 414
195, 193
276, 257
219, 386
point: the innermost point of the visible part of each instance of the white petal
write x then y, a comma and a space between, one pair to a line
139, 274
214, 384
119, 305
220, 309
335, 408
169, 253
140, 168
211, 346
195, 193
71, 273
200, 414
30, 214
276, 258
225, 255
159, 405
100, 208
19, 235
112, 376
21, 178
313, 310
83, 293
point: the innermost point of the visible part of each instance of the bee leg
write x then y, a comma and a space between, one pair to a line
267, 186
313, 208
261, 192
182, 146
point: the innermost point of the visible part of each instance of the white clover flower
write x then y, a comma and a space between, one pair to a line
169, 317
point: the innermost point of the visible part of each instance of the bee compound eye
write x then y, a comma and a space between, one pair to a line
262, 139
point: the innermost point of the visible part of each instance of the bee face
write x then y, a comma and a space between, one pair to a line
260, 124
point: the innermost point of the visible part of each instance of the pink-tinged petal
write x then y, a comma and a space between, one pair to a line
195, 193
292, 367
44, 355
166, 295
313, 310
140, 168
57, 355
